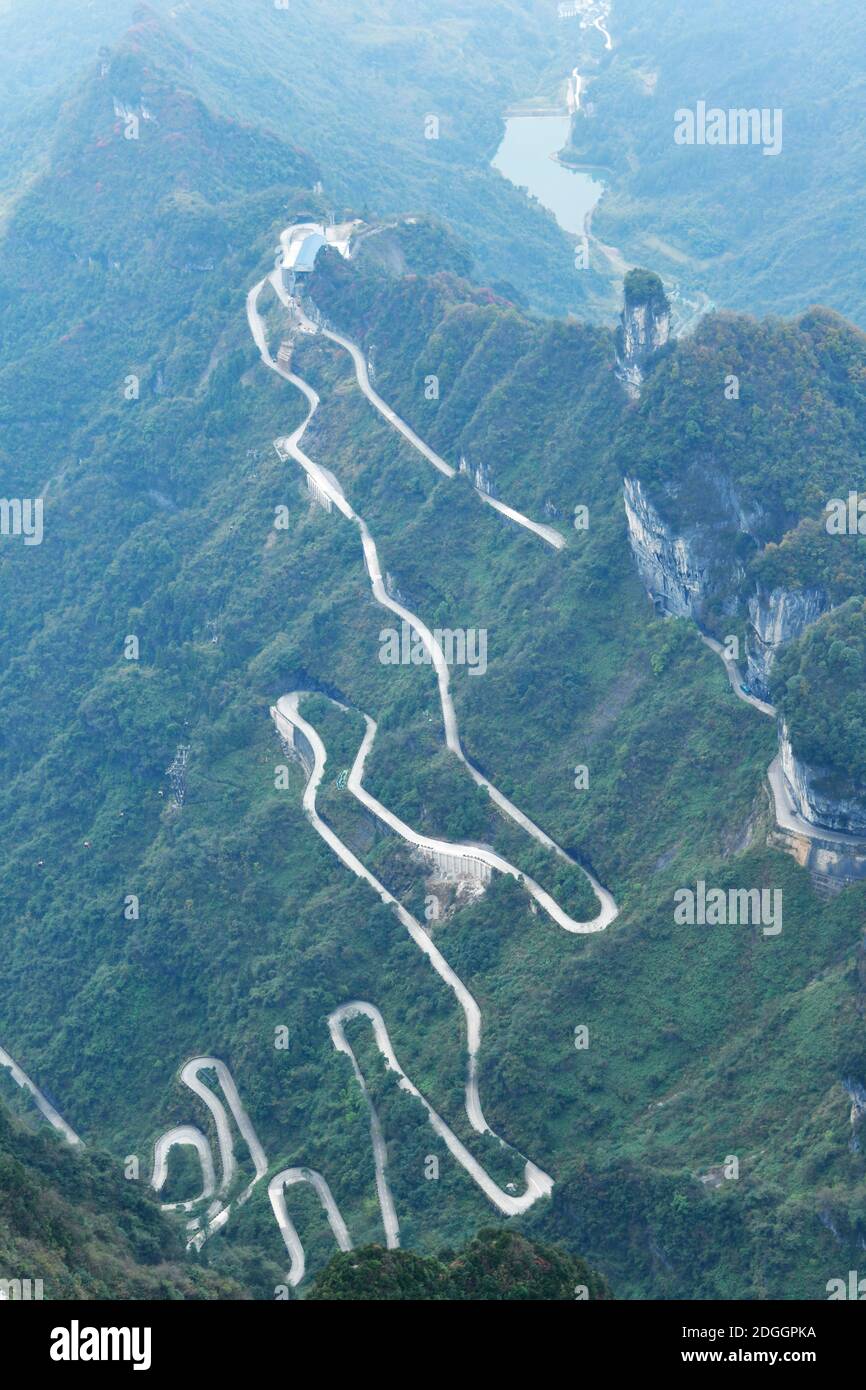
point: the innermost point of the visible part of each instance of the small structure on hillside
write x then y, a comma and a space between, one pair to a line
458, 866
303, 252
299, 257
318, 494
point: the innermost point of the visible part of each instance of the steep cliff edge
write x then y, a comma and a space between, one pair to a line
644, 326
689, 557
813, 795
819, 684
776, 617
736, 443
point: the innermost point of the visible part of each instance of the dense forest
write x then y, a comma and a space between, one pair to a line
820, 689
132, 397
777, 408
71, 1220
497, 1266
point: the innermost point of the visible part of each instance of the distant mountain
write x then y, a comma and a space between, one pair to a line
355, 87
43, 56
169, 897
758, 233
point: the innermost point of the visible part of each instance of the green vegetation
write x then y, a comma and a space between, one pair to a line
497, 1266
820, 688
644, 287
790, 438
127, 258
752, 468
70, 1218
808, 554
758, 234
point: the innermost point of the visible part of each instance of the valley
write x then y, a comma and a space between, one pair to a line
395, 575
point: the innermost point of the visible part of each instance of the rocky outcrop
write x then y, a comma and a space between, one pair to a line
482, 477
691, 570
644, 327
692, 537
857, 1096
822, 806
831, 866
778, 616
673, 573
686, 566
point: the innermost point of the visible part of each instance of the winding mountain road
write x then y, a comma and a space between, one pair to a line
735, 677
228, 1107
190, 1135
191, 1077
290, 722
183, 1136
290, 447
54, 1118
788, 817
537, 1183
434, 846
548, 534
277, 1194
287, 717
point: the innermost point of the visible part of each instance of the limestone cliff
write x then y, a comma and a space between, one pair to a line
694, 562
822, 805
692, 569
644, 327
673, 573
777, 616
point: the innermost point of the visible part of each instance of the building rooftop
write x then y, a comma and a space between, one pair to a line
302, 252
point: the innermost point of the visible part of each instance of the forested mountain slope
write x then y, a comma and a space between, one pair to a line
746, 450
639, 787
133, 259
497, 1265
69, 1219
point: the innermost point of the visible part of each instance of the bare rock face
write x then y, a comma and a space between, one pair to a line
778, 616
692, 566
824, 806
857, 1095
670, 565
686, 565
690, 539
644, 327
